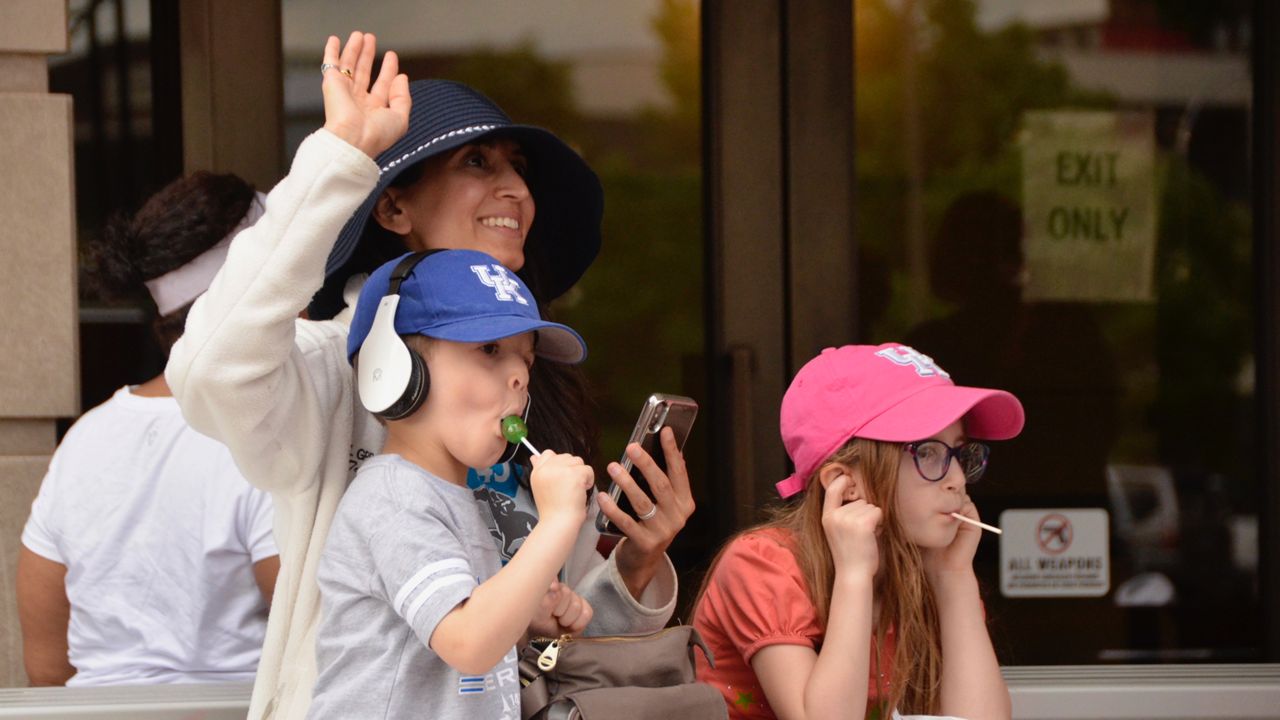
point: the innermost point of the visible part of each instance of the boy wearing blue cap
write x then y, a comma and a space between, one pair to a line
418, 615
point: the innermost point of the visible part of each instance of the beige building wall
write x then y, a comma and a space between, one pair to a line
39, 367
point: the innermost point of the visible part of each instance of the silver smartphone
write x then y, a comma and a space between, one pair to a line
674, 411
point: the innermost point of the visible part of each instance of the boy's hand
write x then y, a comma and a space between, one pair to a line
562, 612
851, 530
560, 483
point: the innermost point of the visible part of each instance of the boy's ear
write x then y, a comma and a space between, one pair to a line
855, 490
389, 214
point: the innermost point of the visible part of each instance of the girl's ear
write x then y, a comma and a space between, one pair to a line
855, 490
387, 211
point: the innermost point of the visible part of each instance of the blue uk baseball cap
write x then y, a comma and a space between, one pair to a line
461, 296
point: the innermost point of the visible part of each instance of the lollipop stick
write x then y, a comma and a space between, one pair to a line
982, 525
529, 445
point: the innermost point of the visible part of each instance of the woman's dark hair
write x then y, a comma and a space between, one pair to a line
376, 247
563, 416
173, 227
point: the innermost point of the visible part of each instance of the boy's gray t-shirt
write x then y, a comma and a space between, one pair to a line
405, 548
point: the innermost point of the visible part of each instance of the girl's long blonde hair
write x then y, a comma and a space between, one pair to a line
907, 603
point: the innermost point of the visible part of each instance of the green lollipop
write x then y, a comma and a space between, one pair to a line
515, 431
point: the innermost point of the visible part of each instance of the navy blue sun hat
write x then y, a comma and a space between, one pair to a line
463, 296
565, 236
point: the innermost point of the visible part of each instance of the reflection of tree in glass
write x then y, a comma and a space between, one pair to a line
1184, 397
1188, 350
531, 88
972, 89
1204, 330
640, 305
680, 139
1197, 19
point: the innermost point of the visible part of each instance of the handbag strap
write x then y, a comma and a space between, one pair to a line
534, 694
695, 638
527, 665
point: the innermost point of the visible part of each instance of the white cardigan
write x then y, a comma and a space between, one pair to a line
278, 392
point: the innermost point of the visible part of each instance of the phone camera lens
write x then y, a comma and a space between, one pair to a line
659, 418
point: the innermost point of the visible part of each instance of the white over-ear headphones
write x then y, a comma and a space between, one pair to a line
391, 378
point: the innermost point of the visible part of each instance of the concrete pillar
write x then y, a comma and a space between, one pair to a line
39, 353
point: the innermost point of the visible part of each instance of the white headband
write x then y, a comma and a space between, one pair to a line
180, 286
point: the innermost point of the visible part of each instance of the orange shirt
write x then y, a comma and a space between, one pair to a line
756, 597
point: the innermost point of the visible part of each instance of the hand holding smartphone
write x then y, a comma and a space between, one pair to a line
674, 411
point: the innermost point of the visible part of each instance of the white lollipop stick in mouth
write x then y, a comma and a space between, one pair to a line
982, 525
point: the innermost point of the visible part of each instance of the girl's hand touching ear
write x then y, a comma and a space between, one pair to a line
958, 556
851, 530
369, 117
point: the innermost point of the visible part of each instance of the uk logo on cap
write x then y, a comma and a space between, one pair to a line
923, 364
505, 287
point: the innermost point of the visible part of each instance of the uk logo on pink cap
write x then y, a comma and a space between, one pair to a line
906, 356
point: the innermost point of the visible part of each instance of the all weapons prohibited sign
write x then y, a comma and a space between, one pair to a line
1055, 553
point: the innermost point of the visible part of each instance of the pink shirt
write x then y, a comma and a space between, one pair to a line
756, 597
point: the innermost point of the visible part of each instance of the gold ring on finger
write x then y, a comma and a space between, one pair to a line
348, 72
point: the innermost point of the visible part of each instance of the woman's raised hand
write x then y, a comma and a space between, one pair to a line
369, 117
851, 530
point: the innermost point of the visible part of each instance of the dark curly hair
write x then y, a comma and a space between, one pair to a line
173, 227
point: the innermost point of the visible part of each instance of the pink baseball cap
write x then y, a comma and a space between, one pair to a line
888, 392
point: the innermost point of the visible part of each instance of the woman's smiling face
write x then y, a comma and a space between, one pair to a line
472, 198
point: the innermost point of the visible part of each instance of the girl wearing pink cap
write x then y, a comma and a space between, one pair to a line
862, 594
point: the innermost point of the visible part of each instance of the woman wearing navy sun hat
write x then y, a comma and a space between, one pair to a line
451, 170
551, 254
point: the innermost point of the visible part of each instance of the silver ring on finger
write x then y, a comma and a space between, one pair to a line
326, 67
649, 515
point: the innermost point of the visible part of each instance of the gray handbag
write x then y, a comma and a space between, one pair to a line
619, 677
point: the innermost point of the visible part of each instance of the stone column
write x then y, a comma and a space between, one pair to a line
39, 353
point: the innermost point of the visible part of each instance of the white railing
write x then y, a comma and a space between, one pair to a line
1145, 692
1115, 692
133, 702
